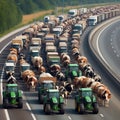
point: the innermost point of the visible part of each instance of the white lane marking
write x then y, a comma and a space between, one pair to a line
101, 115
69, 118
98, 43
33, 116
7, 115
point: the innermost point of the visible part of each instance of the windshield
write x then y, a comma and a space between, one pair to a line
46, 19
86, 93
75, 68
91, 20
60, 18
48, 85
71, 13
53, 94
34, 54
25, 68
56, 32
8, 68
12, 88
77, 27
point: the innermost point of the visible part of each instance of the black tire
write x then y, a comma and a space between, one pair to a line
62, 110
20, 103
40, 98
5, 103
47, 108
76, 106
95, 108
81, 108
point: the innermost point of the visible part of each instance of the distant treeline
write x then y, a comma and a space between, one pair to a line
11, 11
10, 14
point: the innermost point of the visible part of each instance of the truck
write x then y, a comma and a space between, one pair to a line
57, 31
62, 17
12, 96
78, 28
35, 44
53, 59
62, 47
17, 43
83, 10
53, 102
45, 83
49, 38
72, 71
92, 20
23, 67
49, 18
85, 101
73, 13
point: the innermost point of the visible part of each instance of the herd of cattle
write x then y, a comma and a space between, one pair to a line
47, 45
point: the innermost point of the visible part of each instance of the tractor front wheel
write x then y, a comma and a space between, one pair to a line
20, 103
62, 111
47, 108
5, 103
95, 108
81, 108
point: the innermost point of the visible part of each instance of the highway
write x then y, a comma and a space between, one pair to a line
32, 110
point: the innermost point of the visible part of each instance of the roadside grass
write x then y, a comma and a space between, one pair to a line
30, 18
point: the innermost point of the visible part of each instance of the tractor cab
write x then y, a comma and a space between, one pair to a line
11, 88
12, 96
85, 101
72, 72
83, 92
53, 102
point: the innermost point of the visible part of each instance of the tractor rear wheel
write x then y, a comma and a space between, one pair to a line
20, 103
95, 108
47, 108
5, 102
62, 111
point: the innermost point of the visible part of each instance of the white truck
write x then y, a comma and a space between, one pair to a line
72, 13
62, 18
92, 20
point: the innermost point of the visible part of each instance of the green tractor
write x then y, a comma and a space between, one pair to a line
72, 72
12, 96
86, 101
45, 84
53, 102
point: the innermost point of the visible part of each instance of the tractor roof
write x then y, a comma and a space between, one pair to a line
47, 81
12, 85
53, 90
9, 64
73, 65
85, 89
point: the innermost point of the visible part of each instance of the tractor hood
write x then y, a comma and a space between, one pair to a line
88, 99
54, 100
12, 94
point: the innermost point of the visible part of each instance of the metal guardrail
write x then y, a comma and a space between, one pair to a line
96, 53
